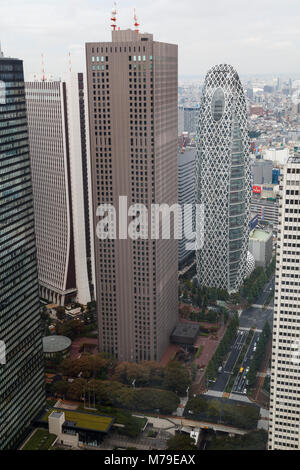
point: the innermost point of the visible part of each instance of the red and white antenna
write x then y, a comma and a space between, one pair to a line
114, 17
43, 69
136, 23
70, 63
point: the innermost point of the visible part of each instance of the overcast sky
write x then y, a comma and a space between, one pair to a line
255, 36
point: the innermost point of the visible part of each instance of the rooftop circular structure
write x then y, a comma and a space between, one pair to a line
55, 344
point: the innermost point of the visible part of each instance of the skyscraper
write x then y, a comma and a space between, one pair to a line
284, 428
132, 93
223, 180
60, 175
21, 368
186, 195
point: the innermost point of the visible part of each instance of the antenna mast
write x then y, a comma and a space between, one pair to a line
136, 23
114, 17
43, 69
70, 63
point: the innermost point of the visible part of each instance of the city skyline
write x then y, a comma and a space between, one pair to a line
149, 226
258, 38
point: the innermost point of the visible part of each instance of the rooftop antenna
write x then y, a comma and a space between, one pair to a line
70, 62
114, 17
43, 68
136, 23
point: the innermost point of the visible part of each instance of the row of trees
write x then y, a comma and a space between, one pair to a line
241, 416
254, 284
113, 393
201, 296
259, 354
181, 441
254, 440
271, 268
223, 348
88, 366
174, 376
210, 316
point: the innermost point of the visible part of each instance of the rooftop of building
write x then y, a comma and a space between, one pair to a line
83, 420
294, 159
186, 154
56, 343
186, 330
260, 235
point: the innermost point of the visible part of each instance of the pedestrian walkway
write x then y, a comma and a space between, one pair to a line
248, 329
263, 422
238, 397
261, 306
213, 393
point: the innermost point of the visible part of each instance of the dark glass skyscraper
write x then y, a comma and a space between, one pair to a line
21, 370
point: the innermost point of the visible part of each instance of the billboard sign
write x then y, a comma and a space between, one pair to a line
256, 189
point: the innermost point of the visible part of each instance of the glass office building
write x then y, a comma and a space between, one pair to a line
223, 180
21, 358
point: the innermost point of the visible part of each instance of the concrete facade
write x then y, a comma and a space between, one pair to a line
261, 246
262, 171
132, 93
284, 429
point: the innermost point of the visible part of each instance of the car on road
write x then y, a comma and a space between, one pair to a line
245, 391
247, 369
241, 369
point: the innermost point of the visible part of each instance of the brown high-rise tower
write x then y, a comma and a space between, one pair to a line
132, 94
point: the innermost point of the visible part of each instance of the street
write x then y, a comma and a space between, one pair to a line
235, 349
253, 317
240, 384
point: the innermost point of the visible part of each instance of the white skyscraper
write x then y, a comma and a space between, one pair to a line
60, 174
284, 430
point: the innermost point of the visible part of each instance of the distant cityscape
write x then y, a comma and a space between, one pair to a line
149, 254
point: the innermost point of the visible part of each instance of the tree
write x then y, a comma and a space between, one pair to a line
197, 405
254, 440
76, 389
72, 329
60, 312
176, 378
185, 311
147, 399
60, 387
181, 442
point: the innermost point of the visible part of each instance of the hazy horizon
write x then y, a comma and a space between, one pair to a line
257, 39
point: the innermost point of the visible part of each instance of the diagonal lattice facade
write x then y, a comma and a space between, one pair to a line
223, 180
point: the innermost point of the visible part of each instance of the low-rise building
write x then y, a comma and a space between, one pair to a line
77, 428
56, 344
260, 246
